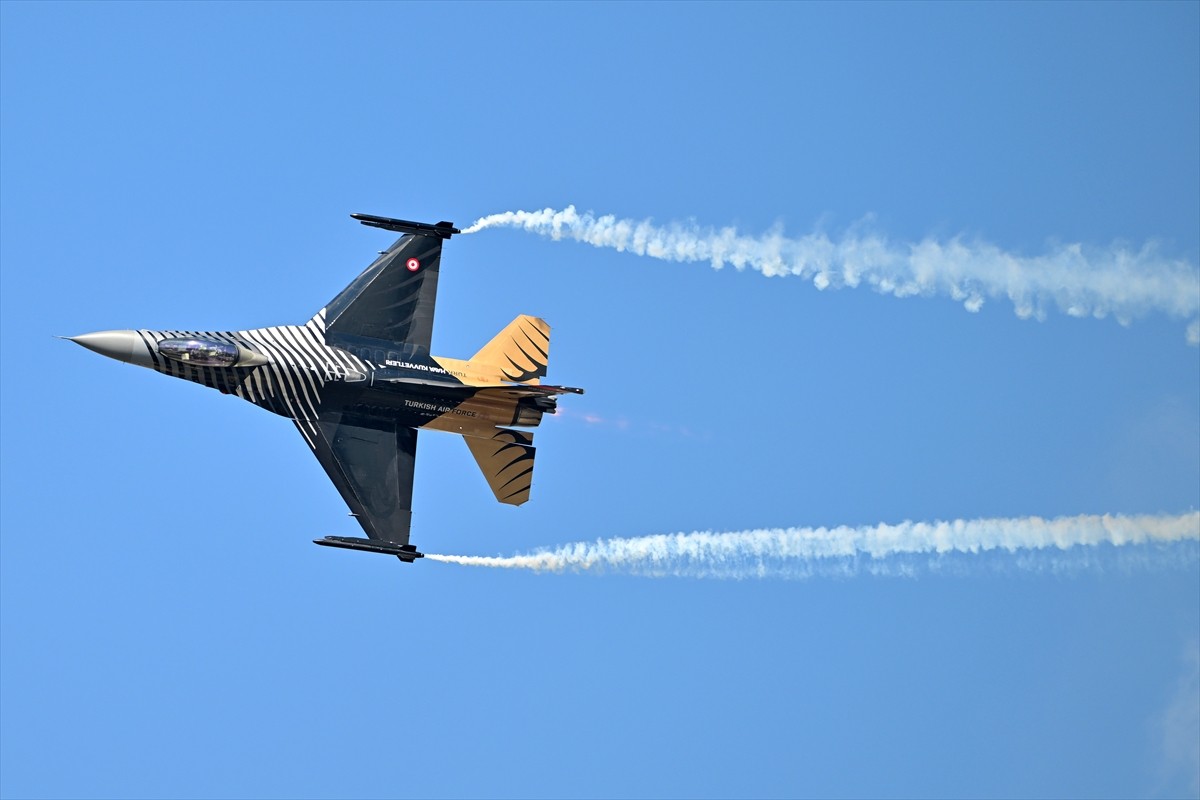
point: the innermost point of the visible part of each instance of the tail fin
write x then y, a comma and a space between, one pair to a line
507, 462
520, 351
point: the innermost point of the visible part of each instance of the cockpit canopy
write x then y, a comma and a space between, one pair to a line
200, 352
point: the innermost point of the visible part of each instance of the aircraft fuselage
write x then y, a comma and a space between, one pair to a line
289, 370
358, 382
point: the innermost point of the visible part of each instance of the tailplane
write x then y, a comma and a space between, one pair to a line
506, 459
521, 351
517, 354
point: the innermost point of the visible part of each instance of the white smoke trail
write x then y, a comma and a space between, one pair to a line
1079, 281
902, 549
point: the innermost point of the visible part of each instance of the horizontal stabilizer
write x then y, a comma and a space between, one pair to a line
443, 229
506, 459
518, 353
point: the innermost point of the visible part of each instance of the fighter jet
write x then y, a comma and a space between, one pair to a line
358, 382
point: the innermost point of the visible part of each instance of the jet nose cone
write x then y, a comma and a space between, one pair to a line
122, 345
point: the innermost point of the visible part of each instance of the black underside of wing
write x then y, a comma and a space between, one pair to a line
394, 298
371, 464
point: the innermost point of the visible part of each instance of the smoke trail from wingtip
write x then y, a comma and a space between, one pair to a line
1079, 281
879, 549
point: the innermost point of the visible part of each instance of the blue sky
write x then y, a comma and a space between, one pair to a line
192, 166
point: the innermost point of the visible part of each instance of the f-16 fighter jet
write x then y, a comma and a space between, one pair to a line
358, 382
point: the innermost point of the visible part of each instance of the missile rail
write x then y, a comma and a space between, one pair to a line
441, 229
405, 552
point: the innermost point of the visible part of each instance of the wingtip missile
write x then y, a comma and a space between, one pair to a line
442, 229
405, 552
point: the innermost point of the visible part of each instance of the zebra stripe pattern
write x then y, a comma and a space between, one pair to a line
290, 384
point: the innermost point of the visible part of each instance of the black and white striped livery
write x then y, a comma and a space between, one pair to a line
299, 364
358, 381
